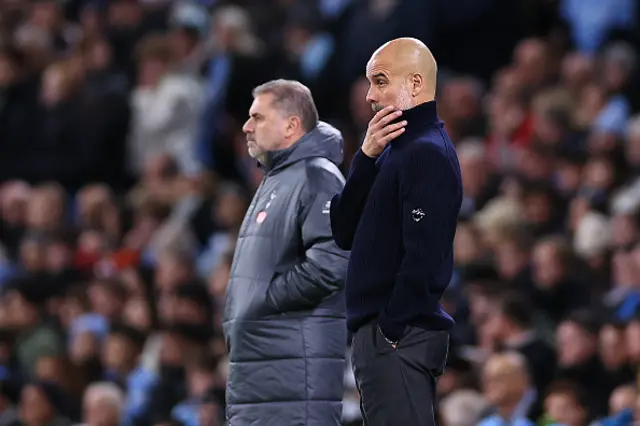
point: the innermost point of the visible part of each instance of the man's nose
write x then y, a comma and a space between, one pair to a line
247, 126
370, 98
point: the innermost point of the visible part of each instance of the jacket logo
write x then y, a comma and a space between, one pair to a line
417, 215
326, 209
262, 215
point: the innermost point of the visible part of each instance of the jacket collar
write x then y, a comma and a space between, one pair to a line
323, 141
274, 159
418, 118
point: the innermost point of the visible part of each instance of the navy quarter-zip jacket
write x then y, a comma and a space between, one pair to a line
397, 214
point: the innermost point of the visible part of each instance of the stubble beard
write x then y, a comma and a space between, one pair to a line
403, 101
256, 152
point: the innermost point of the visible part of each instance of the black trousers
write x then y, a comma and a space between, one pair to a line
398, 385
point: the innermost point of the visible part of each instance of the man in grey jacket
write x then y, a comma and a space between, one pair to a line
284, 318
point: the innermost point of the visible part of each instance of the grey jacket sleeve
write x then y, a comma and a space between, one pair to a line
323, 269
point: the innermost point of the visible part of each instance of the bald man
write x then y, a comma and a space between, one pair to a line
397, 214
507, 387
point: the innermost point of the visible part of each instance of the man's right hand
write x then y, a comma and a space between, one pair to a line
380, 132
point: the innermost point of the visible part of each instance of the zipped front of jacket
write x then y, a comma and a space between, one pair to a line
256, 198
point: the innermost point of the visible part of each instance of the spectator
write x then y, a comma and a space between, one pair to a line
43, 403
511, 326
103, 404
555, 292
622, 399
462, 408
578, 360
614, 353
564, 404
164, 107
24, 316
507, 388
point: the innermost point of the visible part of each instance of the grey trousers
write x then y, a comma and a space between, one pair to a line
397, 385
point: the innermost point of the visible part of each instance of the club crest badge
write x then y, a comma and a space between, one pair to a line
417, 215
261, 217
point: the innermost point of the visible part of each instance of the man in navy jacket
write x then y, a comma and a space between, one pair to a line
397, 214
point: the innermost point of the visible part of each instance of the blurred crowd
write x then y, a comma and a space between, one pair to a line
124, 179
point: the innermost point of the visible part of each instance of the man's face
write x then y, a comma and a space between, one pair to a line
119, 353
495, 326
18, 310
49, 368
387, 85
569, 177
537, 208
575, 345
502, 383
103, 300
622, 398
547, 269
137, 314
265, 128
623, 230
99, 411
530, 59
510, 259
45, 210
35, 408
564, 409
613, 351
33, 255
576, 70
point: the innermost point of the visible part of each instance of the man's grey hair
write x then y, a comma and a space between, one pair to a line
107, 392
515, 360
292, 98
463, 408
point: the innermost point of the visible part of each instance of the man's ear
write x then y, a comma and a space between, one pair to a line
417, 84
294, 124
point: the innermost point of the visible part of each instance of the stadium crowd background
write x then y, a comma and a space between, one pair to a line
125, 178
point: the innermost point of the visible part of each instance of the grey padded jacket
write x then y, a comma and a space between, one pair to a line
284, 317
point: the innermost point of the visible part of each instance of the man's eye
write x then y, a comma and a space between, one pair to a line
380, 83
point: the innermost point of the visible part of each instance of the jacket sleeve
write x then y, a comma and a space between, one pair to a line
322, 271
430, 191
346, 206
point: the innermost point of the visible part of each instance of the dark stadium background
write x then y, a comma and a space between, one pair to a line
124, 179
